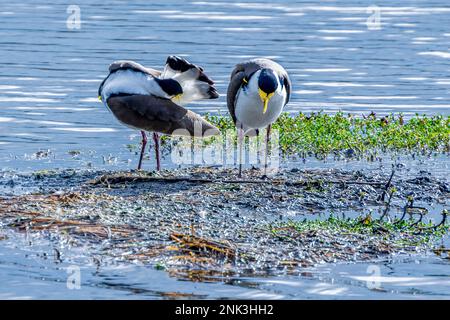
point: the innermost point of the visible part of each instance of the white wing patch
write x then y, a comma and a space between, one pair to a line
193, 88
131, 82
168, 72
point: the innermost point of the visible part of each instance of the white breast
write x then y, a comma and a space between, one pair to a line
249, 106
130, 82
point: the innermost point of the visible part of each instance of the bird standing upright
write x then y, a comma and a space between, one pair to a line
149, 100
258, 91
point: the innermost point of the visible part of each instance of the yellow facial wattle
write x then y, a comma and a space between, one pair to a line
265, 99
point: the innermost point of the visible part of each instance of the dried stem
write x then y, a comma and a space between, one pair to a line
386, 187
121, 179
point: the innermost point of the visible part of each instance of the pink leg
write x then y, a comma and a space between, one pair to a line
241, 149
144, 143
158, 157
269, 127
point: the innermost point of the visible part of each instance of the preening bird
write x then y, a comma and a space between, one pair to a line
149, 100
257, 93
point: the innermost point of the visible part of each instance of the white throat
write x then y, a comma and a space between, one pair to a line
249, 106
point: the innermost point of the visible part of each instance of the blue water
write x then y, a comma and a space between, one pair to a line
28, 270
49, 75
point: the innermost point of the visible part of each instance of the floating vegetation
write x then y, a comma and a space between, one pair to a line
41, 154
199, 223
193, 244
74, 153
443, 252
70, 226
391, 236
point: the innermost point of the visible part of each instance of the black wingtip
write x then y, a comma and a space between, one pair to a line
179, 64
213, 94
204, 78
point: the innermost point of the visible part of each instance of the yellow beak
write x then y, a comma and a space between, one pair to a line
265, 99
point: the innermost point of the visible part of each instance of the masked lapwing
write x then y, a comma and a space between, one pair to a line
146, 99
258, 91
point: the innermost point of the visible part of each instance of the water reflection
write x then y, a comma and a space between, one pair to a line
29, 271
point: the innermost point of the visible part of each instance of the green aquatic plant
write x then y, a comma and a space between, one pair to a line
320, 134
39, 174
399, 233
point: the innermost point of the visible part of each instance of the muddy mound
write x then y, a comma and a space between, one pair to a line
200, 221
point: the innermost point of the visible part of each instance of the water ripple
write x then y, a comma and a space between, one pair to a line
50, 75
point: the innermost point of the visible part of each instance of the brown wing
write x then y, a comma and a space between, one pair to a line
233, 88
150, 113
288, 85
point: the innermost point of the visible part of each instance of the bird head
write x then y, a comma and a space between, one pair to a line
171, 87
267, 85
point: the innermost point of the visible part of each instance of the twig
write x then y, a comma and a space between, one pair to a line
198, 243
117, 180
443, 221
418, 221
409, 204
388, 205
386, 187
